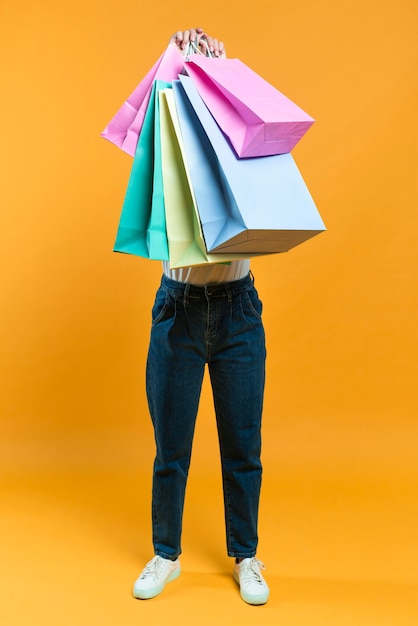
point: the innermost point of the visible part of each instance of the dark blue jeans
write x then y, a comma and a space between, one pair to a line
219, 325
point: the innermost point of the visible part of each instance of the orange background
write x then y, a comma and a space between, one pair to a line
339, 509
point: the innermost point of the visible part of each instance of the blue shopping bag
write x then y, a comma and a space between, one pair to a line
255, 205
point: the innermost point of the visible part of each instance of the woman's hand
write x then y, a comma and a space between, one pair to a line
182, 38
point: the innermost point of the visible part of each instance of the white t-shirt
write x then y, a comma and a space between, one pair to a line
211, 273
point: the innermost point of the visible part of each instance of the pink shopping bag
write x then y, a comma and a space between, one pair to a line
257, 118
124, 128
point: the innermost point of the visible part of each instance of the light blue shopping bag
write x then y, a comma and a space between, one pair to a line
255, 205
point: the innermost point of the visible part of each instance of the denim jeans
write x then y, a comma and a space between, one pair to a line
219, 325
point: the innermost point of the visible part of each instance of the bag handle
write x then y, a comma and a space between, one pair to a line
191, 48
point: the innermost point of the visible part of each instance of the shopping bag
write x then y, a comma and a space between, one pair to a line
124, 128
184, 233
157, 243
258, 119
263, 203
142, 228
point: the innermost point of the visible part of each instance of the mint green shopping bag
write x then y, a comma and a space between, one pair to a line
142, 227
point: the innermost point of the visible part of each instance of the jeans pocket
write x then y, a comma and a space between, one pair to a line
253, 303
163, 308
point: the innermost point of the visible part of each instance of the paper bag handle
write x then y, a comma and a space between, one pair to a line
191, 48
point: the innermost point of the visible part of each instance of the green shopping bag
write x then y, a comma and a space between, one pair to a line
185, 239
142, 225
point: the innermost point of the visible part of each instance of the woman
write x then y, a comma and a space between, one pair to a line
202, 315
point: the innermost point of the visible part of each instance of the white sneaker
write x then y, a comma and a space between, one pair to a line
154, 577
253, 587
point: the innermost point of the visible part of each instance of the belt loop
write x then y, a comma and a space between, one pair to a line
186, 294
252, 277
228, 291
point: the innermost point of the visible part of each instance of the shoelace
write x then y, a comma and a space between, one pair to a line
153, 568
250, 571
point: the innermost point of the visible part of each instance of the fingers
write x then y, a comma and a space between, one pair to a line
216, 47
182, 37
204, 41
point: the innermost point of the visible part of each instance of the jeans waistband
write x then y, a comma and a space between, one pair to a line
216, 290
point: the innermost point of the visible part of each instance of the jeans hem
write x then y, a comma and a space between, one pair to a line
164, 555
241, 555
